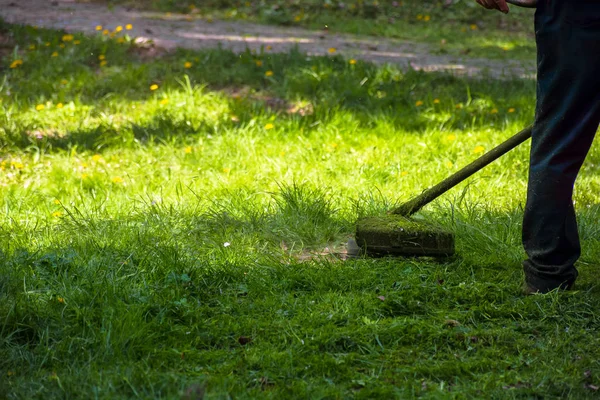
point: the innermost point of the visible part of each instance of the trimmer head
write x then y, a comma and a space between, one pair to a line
395, 234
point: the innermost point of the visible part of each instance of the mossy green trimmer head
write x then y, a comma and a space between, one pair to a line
397, 234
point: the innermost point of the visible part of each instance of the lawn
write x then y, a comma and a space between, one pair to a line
164, 221
461, 27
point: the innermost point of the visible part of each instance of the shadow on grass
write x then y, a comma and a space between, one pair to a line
270, 85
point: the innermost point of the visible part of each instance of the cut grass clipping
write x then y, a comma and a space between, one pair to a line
164, 230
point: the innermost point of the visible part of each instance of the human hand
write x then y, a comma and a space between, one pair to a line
499, 5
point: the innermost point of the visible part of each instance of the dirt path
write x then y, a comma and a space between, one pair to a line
170, 31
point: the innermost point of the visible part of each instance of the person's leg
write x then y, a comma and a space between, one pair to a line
567, 117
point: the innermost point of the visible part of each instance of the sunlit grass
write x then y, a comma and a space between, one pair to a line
157, 240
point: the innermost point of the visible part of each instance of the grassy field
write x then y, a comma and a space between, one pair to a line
462, 28
163, 218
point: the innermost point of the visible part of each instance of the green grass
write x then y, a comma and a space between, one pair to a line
155, 243
463, 29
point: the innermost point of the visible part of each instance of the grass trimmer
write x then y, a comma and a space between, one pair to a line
397, 234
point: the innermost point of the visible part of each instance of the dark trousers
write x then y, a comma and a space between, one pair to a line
567, 117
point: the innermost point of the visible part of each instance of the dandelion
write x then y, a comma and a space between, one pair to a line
118, 28
17, 164
436, 101
298, 18
226, 170
57, 214
153, 87
419, 103
426, 18
47, 44
403, 173
269, 126
103, 63
98, 27
32, 47
473, 27
451, 137
458, 106
76, 42
187, 150
59, 105
352, 61
121, 40
56, 201
40, 107
64, 81
54, 54
117, 179
269, 73
187, 65
62, 45
332, 50
494, 111
269, 47
96, 158
478, 149
60, 300
419, 17
258, 63
105, 32
68, 38
16, 63
164, 101
511, 110
449, 164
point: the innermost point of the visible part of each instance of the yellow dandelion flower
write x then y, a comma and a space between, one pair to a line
153, 87
60, 299
47, 44
269, 126
96, 158
62, 45
436, 101
76, 42
57, 214
17, 164
352, 61
227, 170
187, 150
56, 201
40, 107
32, 47
54, 54
419, 17
403, 173
187, 65
84, 176
332, 50
103, 63
269, 73
473, 27
478, 149
282, 153
59, 105
101, 57
16, 63
451, 137
68, 38
164, 101
419, 103
117, 179
258, 63
129, 27
426, 18
118, 28
449, 164
269, 47
494, 111
64, 81
511, 110
121, 40
98, 27
113, 34
105, 32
